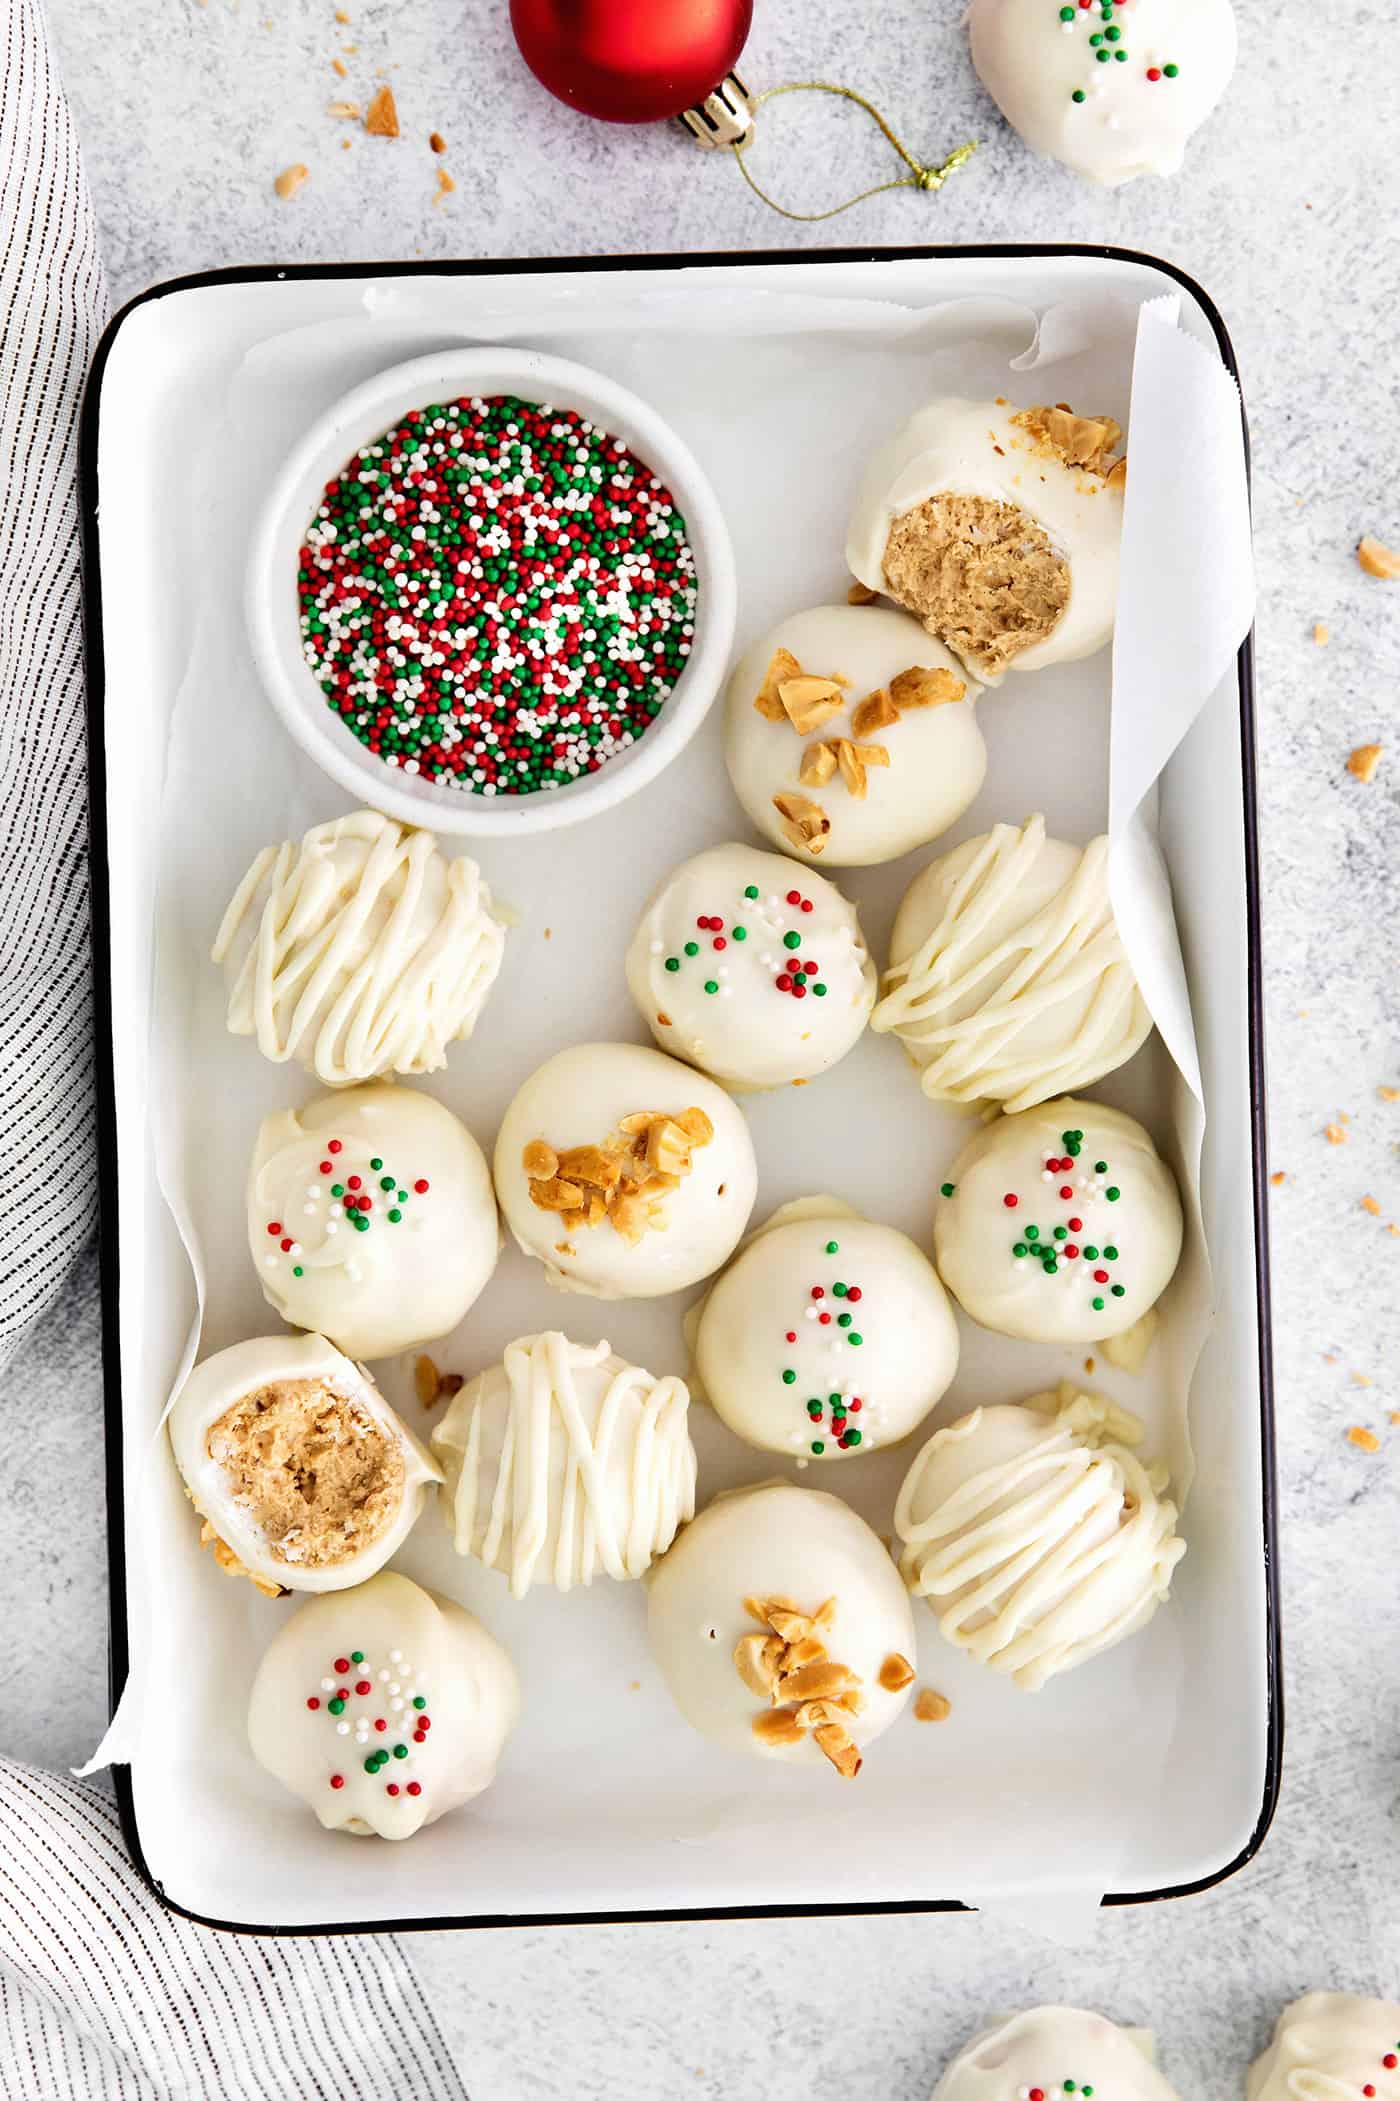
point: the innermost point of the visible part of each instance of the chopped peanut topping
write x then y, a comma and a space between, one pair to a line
231, 1565
876, 712
896, 1672
805, 823
1080, 441
931, 1706
1364, 761
859, 594
808, 702
427, 1382
291, 180
623, 1180
818, 765
1364, 1440
923, 687
1322, 633
808, 1693
1378, 560
782, 667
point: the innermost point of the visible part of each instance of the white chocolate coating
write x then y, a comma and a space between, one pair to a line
564, 1461
877, 1362
214, 1387
1046, 2046
775, 1540
754, 1030
972, 448
1115, 1234
359, 950
1035, 1534
937, 757
1331, 2046
412, 1646
1008, 979
1032, 65
579, 1097
425, 1255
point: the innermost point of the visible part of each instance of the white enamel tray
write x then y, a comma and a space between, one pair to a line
607, 1805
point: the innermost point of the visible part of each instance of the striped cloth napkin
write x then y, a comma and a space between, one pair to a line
103, 1992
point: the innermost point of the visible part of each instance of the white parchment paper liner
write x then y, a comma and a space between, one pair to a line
823, 379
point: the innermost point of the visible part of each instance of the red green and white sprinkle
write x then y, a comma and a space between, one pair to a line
832, 1416
497, 595
381, 1714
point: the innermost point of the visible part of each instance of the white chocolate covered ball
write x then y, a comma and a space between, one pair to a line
371, 1218
383, 1707
359, 950
1331, 2046
564, 1461
670, 1195
761, 1570
1036, 1535
1060, 2053
827, 1335
1112, 90
751, 970
994, 532
305, 1476
1008, 979
913, 761
1061, 1224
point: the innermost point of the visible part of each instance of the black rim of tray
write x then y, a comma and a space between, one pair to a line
118, 1655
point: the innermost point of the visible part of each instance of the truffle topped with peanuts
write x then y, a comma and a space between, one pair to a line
782, 1628
625, 1172
851, 735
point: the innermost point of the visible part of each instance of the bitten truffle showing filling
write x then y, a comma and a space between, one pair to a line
981, 575
313, 1469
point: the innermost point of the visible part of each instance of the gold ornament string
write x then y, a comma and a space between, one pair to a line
918, 178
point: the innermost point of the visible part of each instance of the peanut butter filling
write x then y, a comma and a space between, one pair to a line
982, 576
318, 1475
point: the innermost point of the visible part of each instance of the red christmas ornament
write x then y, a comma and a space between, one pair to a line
630, 61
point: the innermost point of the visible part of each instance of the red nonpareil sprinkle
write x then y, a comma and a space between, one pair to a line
352, 1181
392, 1788
1066, 1192
275, 1227
1155, 73
1011, 1200
334, 1146
804, 904
421, 1188
791, 1335
855, 1406
1100, 1276
362, 1686
341, 1666
824, 1320
1076, 1225
1071, 1250
853, 1293
313, 1703
325, 1167
413, 1788
380, 1724
794, 897
783, 983
818, 1292
337, 1779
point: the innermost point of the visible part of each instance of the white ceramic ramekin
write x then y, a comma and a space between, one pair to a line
272, 610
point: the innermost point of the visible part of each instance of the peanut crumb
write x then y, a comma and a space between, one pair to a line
1364, 1440
1322, 634
426, 1382
1364, 761
1368, 1203
445, 185
931, 1706
349, 110
859, 594
1389, 1094
345, 145
1377, 559
1359, 1378
337, 67
341, 15
1278, 1178
382, 117
1089, 1366
291, 180
1394, 1415
896, 1672
1334, 1134
437, 142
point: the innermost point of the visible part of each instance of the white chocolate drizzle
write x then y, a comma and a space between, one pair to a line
359, 950
1068, 950
1050, 1556
522, 1518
